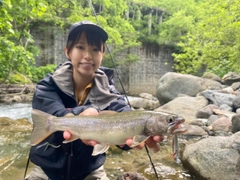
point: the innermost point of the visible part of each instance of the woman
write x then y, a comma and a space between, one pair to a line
77, 87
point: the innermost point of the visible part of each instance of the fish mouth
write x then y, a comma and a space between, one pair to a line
177, 129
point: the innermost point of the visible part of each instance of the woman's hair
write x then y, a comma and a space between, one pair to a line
92, 39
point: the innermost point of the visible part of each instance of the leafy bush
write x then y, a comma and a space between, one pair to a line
37, 73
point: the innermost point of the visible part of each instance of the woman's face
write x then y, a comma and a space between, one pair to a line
85, 58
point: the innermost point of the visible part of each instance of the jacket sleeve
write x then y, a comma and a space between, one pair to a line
46, 98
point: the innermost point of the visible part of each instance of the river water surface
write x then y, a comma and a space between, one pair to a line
14, 149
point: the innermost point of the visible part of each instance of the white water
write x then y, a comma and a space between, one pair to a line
16, 110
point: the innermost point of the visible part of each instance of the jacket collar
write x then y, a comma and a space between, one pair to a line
99, 96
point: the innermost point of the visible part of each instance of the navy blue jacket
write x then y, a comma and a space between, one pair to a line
55, 95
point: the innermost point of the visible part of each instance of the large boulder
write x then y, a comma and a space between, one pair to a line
214, 158
172, 84
185, 106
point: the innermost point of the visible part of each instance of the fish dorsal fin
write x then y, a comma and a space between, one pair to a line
100, 149
138, 139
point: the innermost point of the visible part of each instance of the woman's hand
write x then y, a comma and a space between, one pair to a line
151, 142
88, 112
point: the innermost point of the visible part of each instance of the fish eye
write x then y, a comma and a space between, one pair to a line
170, 119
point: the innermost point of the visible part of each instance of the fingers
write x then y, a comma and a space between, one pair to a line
66, 135
89, 112
152, 143
89, 142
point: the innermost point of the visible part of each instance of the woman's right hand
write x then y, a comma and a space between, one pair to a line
67, 135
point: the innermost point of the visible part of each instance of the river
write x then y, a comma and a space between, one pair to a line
14, 148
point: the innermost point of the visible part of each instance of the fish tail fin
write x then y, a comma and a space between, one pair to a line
40, 129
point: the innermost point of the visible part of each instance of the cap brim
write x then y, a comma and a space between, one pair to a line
90, 27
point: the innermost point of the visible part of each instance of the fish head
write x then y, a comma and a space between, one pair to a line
165, 124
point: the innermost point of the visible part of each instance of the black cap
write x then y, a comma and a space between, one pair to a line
87, 25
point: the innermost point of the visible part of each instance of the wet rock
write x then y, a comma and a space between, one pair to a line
131, 176
161, 169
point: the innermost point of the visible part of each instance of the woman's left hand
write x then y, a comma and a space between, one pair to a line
151, 142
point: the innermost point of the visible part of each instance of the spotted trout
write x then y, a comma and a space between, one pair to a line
107, 128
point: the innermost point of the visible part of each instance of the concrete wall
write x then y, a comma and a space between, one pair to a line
140, 76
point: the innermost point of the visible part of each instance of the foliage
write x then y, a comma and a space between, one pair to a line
41, 71
214, 42
203, 33
17, 78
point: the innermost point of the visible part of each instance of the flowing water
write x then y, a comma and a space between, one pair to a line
15, 127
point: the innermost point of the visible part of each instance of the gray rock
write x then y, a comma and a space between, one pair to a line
214, 158
211, 119
230, 78
194, 130
206, 111
236, 102
185, 106
223, 124
218, 98
225, 107
236, 123
212, 76
171, 84
139, 103
235, 86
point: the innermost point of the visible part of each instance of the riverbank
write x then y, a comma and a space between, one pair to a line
11, 93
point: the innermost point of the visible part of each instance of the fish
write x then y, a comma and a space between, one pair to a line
107, 128
175, 149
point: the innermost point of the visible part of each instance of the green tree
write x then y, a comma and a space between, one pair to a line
214, 42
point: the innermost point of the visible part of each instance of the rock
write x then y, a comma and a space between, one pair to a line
211, 76
147, 104
236, 102
225, 113
206, 111
225, 107
222, 124
147, 96
235, 86
161, 170
236, 123
230, 78
211, 119
172, 84
131, 176
218, 98
193, 130
186, 107
214, 158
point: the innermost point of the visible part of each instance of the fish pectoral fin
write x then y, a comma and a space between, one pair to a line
138, 139
100, 149
73, 138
